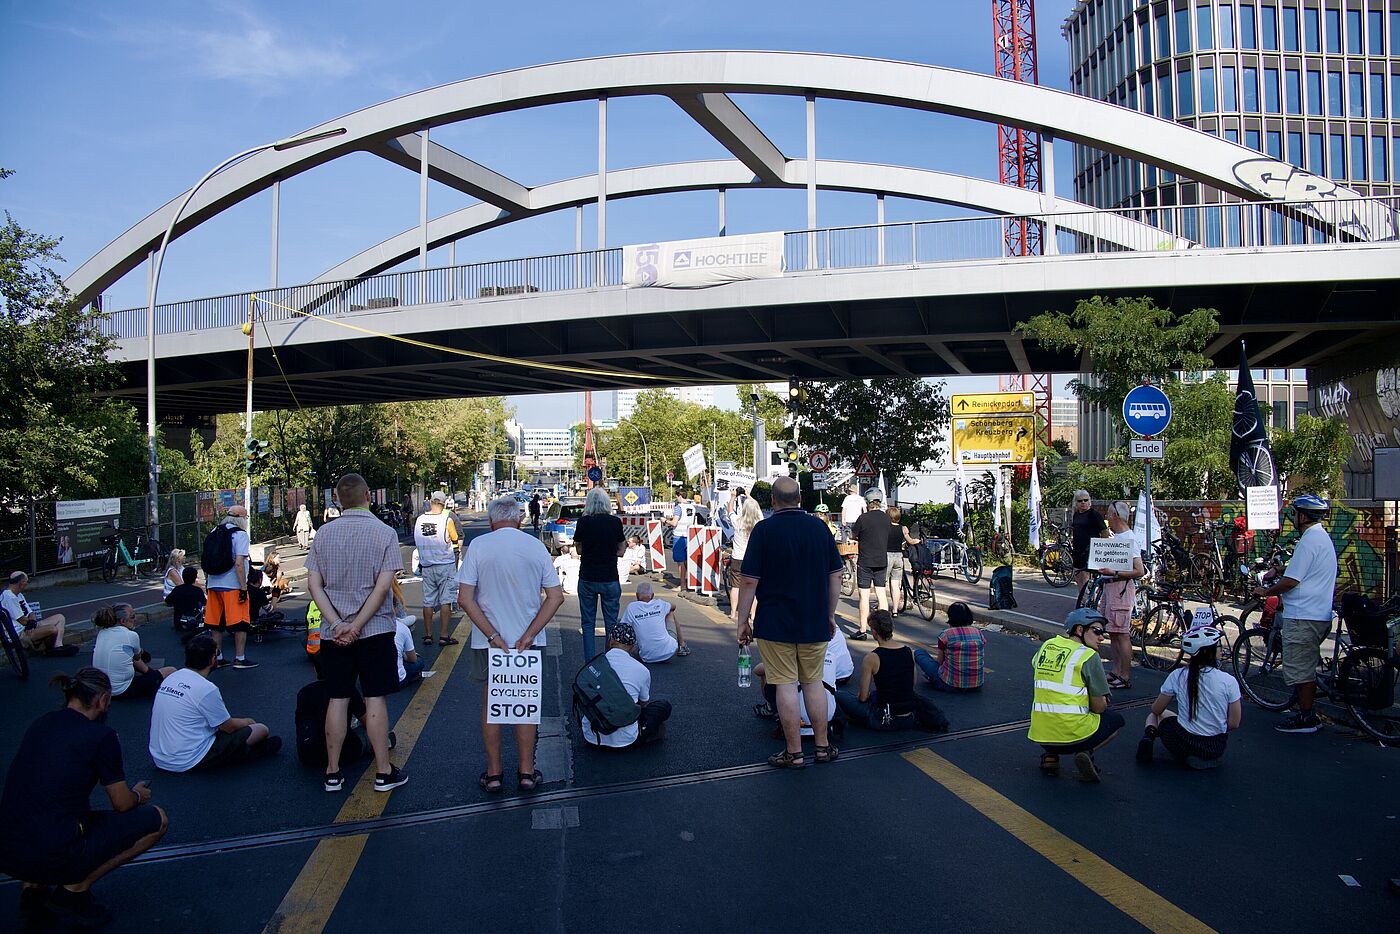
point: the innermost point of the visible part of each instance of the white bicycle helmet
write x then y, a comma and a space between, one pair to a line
1199, 638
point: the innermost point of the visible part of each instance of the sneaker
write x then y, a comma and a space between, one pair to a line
1088, 771
1304, 721
78, 908
220, 662
270, 746
335, 781
240, 663
1144, 750
395, 777
62, 651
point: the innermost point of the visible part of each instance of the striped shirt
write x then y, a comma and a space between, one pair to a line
962, 648
349, 554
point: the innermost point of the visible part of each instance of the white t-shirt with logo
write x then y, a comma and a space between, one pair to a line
17, 607
637, 680
829, 676
838, 658
1216, 691
403, 642
648, 617
229, 579
113, 652
566, 566
1314, 567
509, 569
185, 715
430, 537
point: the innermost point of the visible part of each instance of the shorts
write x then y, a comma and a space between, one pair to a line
733, 571
439, 585
373, 659
1120, 619
225, 611
144, 685
894, 564
792, 662
1302, 639
476, 671
1110, 722
228, 749
104, 835
870, 577
1183, 745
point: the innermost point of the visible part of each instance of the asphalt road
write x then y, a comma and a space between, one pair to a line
953, 832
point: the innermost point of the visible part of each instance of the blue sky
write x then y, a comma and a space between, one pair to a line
110, 110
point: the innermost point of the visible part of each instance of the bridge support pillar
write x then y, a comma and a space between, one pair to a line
1048, 246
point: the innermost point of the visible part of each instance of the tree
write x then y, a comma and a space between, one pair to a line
1310, 458
772, 409
900, 422
670, 426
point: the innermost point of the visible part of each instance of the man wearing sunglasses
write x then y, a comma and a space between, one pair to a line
1085, 524
1069, 713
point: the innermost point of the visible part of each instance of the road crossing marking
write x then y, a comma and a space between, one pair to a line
1120, 890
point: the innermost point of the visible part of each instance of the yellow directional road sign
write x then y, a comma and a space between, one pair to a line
1002, 439
993, 403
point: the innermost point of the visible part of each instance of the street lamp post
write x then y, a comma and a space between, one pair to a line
646, 454
152, 463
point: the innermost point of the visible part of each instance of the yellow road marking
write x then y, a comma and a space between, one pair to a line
308, 904
1122, 891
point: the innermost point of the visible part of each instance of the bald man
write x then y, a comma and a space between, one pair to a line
659, 637
227, 609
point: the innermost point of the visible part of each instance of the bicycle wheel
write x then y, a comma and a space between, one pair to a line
1055, 565
1161, 642
109, 566
14, 652
1258, 661
147, 560
1087, 592
972, 566
1224, 652
1366, 678
925, 596
848, 576
1205, 576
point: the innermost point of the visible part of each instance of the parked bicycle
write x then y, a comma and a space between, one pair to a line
916, 583
1057, 562
1360, 673
1168, 618
144, 557
950, 555
15, 652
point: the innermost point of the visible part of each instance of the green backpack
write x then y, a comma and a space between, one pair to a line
600, 695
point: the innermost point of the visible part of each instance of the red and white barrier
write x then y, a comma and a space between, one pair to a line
694, 557
634, 525
712, 541
656, 550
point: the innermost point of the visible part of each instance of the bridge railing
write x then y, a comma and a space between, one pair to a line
1326, 223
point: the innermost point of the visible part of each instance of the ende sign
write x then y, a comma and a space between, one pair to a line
513, 688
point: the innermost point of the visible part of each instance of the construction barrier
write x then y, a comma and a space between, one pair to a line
694, 557
712, 542
656, 551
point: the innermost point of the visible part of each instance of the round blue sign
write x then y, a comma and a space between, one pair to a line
595, 474
1147, 410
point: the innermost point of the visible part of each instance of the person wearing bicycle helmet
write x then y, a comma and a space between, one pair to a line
1207, 706
1069, 712
1307, 587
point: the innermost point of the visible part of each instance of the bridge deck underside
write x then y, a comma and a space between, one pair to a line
1286, 325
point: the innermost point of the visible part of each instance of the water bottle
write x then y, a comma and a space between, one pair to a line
745, 667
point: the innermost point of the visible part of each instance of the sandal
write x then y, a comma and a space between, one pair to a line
447, 640
827, 754
787, 760
1050, 764
494, 784
529, 782
1119, 684
427, 640
764, 711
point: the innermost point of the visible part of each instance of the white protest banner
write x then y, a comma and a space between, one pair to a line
694, 460
1202, 616
1140, 523
1261, 507
514, 692
700, 264
1112, 554
730, 478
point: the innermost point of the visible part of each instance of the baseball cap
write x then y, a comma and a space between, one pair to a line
438, 497
622, 633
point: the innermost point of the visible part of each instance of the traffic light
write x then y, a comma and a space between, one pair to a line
255, 452
796, 396
791, 450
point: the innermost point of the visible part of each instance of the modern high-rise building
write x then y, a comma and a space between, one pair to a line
700, 395
1315, 83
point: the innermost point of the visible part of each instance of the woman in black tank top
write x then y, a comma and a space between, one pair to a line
887, 700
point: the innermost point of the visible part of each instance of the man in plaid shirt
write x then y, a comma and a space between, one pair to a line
957, 666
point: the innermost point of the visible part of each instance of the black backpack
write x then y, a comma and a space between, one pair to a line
217, 557
600, 695
999, 590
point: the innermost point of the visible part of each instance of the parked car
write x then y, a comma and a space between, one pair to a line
559, 523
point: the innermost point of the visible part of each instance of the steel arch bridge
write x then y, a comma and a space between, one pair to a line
702, 84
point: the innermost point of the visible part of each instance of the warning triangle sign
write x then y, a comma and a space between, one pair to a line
865, 469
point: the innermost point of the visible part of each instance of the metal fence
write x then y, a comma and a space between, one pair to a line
1253, 226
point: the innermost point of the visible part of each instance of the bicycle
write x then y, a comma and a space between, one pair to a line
15, 652
1167, 620
1360, 678
916, 584
998, 547
1057, 563
1092, 591
143, 557
950, 554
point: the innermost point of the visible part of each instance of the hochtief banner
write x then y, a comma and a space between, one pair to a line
700, 264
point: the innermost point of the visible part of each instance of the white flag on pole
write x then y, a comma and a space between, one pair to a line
959, 491
1033, 531
1000, 491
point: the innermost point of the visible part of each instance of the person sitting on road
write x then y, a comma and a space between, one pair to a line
1069, 712
886, 699
566, 565
635, 556
174, 571
117, 653
659, 636
956, 664
273, 578
48, 834
26, 628
838, 655
258, 596
1207, 706
191, 728
836, 660
187, 601
651, 724
310, 718
412, 669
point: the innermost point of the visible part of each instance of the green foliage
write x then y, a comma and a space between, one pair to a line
1310, 458
670, 426
901, 422
762, 493
772, 409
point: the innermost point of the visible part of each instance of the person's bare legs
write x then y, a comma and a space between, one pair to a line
814, 695
57, 621
525, 734
1122, 646
863, 609
881, 598
428, 623
125, 856
445, 614
337, 724
491, 739
790, 716
377, 727
240, 644
734, 603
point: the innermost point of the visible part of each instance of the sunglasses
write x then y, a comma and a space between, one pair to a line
1081, 501
1096, 630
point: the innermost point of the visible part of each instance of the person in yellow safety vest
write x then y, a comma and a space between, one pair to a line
313, 630
1069, 713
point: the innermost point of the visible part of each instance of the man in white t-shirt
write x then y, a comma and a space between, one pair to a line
435, 536
46, 633
838, 658
1308, 585
566, 566
658, 634
852, 507
411, 667
499, 587
191, 728
651, 724
227, 591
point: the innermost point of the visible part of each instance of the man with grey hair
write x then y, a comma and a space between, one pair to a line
25, 625
1085, 524
659, 636
227, 609
599, 541
436, 537
1116, 597
792, 567
499, 586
